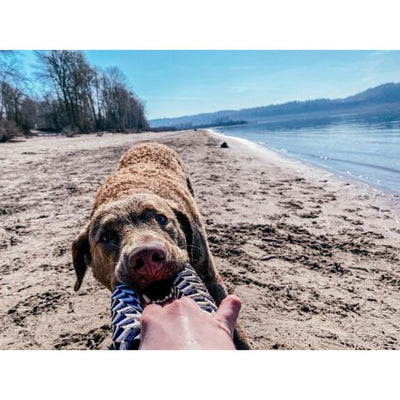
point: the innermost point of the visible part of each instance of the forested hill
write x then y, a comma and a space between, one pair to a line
379, 99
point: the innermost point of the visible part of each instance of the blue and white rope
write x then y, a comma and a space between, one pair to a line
126, 308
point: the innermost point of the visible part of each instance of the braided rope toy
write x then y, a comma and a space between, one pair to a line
126, 307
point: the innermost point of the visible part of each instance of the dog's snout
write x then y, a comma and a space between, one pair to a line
148, 260
141, 257
144, 261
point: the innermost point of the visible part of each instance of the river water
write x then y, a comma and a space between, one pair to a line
368, 151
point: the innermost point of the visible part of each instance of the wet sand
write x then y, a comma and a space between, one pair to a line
314, 257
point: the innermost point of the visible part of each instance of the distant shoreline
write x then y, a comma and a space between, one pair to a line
376, 190
381, 101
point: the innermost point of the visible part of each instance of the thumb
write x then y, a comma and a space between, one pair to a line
228, 312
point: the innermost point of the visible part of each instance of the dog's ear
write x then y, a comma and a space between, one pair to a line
81, 256
187, 229
196, 243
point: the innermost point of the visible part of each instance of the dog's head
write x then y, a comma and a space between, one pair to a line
142, 241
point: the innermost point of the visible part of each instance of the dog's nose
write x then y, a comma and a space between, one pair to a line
148, 260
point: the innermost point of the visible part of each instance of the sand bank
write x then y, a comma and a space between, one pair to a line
314, 257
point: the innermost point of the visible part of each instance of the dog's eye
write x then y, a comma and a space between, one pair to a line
161, 219
106, 237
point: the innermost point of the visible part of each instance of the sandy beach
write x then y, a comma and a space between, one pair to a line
313, 256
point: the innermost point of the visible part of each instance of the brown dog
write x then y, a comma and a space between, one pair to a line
145, 226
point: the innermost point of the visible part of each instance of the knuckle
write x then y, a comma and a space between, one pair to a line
188, 301
149, 314
178, 304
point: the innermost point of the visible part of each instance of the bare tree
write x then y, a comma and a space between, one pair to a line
88, 98
66, 74
79, 96
122, 110
11, 95
10, 79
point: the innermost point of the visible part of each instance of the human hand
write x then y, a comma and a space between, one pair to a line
183, 325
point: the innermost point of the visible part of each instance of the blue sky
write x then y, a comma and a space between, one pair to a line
176, 83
